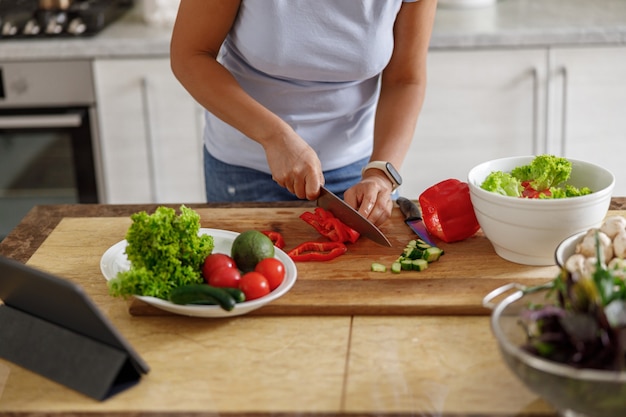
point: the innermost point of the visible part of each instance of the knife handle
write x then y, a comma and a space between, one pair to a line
409, 209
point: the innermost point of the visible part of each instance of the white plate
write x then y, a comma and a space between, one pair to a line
114, 261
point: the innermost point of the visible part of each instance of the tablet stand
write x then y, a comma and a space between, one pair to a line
74, 360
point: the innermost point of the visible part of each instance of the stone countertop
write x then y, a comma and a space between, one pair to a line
532, 23
507, 24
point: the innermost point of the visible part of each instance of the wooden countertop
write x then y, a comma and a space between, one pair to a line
267, 364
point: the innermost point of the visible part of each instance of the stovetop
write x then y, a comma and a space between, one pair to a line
27, 19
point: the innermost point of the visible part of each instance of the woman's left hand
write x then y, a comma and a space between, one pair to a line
372, 198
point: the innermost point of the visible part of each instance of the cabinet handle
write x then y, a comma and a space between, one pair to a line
42, 121
150, 140
199, 112
565, 77
535, 122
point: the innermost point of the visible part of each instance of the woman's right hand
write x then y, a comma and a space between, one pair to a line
295, 165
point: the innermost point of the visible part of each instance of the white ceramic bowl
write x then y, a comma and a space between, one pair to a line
528, 231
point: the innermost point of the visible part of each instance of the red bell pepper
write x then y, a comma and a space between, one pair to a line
317, 251
276, 238
530, 192
448, 212
329, 226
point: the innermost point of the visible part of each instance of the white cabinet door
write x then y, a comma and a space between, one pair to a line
150, 133
479, 105
588, 107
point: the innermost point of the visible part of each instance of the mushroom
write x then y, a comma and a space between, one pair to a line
618, 267
587, 246
590, 266
575, 263
613, 225
619, 244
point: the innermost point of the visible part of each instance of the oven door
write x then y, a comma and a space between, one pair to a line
46, 157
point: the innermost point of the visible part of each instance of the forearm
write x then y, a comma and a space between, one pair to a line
403, 82
396, 116
292, 162
215, 89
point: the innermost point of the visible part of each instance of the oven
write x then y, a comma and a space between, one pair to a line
49, 149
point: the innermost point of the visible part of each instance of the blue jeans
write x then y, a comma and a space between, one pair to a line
232, 183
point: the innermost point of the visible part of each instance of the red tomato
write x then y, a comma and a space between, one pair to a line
254, 285
530, 192
215, 261
273, 270
225, 276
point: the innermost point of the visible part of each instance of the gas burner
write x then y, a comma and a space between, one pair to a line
25, 19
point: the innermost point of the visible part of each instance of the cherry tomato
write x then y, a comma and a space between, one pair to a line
273, 270
215, 261
254, 285
225, 276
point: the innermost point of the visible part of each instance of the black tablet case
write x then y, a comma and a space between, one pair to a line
50, 326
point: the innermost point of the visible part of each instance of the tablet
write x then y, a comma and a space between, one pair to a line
60, 302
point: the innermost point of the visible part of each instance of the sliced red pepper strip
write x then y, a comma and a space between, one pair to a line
317, 251
275, 237
329, 226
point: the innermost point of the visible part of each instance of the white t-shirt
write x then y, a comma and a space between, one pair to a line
316, 64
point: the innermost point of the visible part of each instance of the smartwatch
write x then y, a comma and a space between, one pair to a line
388, 169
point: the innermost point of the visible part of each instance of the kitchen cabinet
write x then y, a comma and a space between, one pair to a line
486, 104
479, 105
150, 133
588, 101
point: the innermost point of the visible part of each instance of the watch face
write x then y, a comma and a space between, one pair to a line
395, 174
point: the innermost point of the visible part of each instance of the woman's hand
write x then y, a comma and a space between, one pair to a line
371, 197
295, 165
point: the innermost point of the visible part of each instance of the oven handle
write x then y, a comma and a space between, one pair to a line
41, 121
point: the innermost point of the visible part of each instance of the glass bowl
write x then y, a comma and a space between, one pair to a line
573, 392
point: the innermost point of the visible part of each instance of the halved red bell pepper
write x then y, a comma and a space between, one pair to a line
448, 212
329, 226
317, 251
276, 238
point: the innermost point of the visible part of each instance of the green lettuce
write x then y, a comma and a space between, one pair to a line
165, 251
544, 172
503, 183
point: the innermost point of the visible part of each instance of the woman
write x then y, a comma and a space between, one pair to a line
304, 93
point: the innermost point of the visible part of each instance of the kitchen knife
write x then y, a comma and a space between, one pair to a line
352, 218
413, 218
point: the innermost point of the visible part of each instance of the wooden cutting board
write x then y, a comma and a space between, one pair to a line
456, 284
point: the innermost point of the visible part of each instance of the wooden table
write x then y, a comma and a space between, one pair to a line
381, 345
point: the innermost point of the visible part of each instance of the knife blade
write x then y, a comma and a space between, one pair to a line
413, 219
352, 218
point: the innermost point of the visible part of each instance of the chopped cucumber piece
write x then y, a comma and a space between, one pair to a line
419, 264
432, 254
416, 256
378, 267
406, 264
